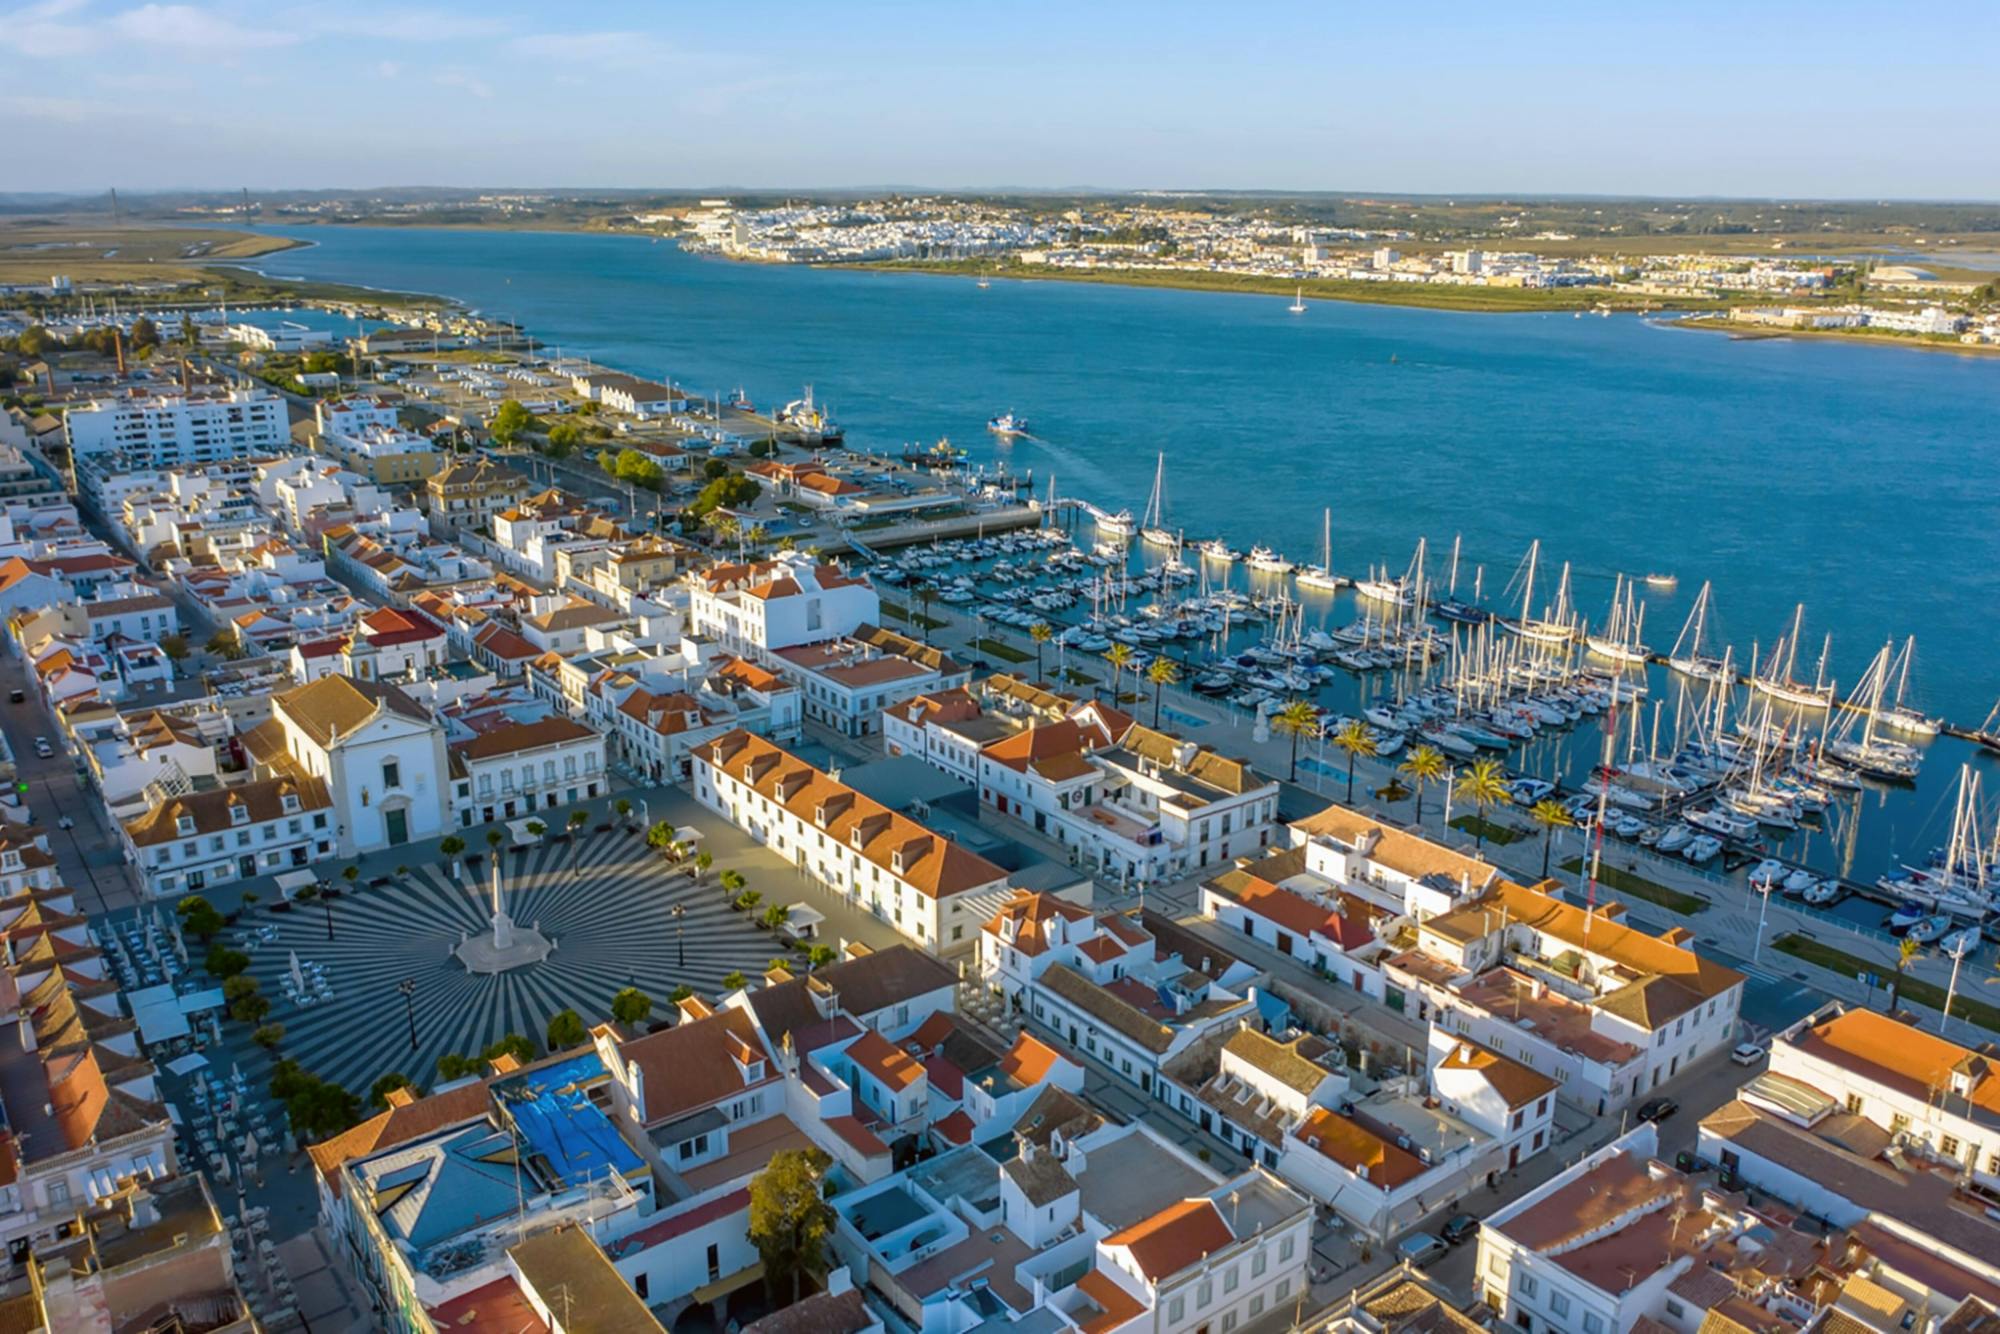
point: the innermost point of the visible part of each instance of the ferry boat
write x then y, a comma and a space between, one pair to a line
1007, 424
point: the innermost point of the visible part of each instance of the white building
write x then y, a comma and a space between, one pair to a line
379, 754
754, 610
176, 430
503, 766
285, 337
846, 684
926, 886
187, 843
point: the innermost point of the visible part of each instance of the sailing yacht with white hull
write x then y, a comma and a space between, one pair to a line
1777, 677
1155, 532
1688, 655
1321, 577
1557, 626
1620, 639
1452, 608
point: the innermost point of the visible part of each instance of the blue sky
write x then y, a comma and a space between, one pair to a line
1770, 98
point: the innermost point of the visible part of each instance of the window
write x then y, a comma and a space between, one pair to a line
1177, 1309
1259, 1261
1257, 1305
1230, 1277
1558, 1302
392, 773
1204, 1294
58, 1191
1283, 1289
1948, 1146
1854, 1104
1899, 1124
1228, 1321
1524, 1283
1675, 1309
1287, 1248
1593, 1323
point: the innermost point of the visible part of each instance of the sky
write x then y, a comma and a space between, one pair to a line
1771, 98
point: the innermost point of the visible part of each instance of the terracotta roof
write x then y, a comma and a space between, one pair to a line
862, 986
1030, 914
931, 864
398, 1125
513, 738
692, 1064
1042, 1178
1029, 1061
1286, 1062
1905, 1058
1174, 1238
886, 1063
264, 800
1234, 776
1508, 1077
336, 705
1359, 1149
1397, 849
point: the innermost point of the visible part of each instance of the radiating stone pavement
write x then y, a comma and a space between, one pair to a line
610, 919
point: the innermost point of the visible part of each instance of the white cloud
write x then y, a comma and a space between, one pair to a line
187, 26
459, 79
388, 69
408, 25
58, 28
39, 30
598, 50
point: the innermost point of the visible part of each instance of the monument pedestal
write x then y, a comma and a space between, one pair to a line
506, 946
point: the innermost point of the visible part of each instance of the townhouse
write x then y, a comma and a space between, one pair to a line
752, 610
468, 494
926, 886
196, 839
846, 684
510, 756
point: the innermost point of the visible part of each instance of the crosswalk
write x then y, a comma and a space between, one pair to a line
605, 902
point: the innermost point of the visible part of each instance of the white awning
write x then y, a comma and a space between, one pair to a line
522, 834
291, 882
187, 1064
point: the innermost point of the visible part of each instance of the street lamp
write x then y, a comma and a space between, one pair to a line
1965, 940
679, 910
408, 986
1763, 888
327, 903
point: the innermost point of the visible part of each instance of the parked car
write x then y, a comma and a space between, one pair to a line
1657, 1109
1459, 1227
1420, 1248
16, 696
1747, 1053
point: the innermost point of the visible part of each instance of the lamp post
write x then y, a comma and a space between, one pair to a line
1764, 889
1951, 991
408, 986
679, 910
327, 904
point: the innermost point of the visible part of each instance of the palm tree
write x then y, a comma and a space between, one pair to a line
756, 534
1162, 671
1484, 785
1295, 720
1421, 766
451, 845
1120, 657
923, 592
1906, 950
1356, 740
494, 838
702, 861
1041, 634
1551, 816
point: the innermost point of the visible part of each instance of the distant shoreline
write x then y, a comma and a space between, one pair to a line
1758, 333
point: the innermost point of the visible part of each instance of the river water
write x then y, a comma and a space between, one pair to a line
1861, 480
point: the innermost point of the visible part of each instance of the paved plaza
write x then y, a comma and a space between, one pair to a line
606, 900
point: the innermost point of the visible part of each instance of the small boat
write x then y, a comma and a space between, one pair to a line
1675, 839
1703, 848
1906, 916
1007, 424
1823, 893
1657, 580
1268, 561
1769, 873
1216, 549
1298, 306
1930, 929
1726, 824
1960, 941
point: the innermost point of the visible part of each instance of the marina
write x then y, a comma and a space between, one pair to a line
922, 359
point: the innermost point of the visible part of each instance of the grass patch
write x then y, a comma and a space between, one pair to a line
909, 617
1004, 652
1479, 826
1639, 887
1077, 678
1913, 989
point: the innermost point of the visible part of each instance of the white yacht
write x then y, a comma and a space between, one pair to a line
1268, 561
1216, 549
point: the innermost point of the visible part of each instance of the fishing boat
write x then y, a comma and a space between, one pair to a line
1620, 640
1154, 531
1007, 424
1217, 550
1778, 675
1298, 306
1689, 655
814, 423
1267, 561
1321, 577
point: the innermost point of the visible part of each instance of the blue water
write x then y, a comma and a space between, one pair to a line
1861, 480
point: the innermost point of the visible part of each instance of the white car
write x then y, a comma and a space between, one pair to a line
1747, 1053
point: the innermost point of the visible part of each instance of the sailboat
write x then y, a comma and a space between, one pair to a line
1155, 531
1896, 714
1452, 608
1777, 679
1321, 576
1619, 640
1869, 752
1687, 656
1555, 627
1965, 876
1298, 306
1987, 733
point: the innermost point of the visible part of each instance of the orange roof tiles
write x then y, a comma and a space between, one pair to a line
1030, 914
1029, 1060
1359, 1149
1114, 1305
1887, 1051
1174, 1238
1509, 1078
888, 1064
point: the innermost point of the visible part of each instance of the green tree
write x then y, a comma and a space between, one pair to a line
451, 1066
623, 807
790, 1219
679, 994
775, 916
189, 334
509, 423
714, 469
1906, 952
1120, 657
379, 1091
226, 645
730, 492
494, 838
734, 981
1551, 816
565, 438
1041, 633
631, 1007
249, 1009
199, 918
819, 956
639, 469
1162, 672
732, 881
223, 962
1422, 766
175, 648
1296, 720
145, 333
660, 836
536, 828
269, 1036
702, 861
1485, 786
1356, 740
451, 845
514, 1044
566, 1030
749, 899
351, 874
35, 341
